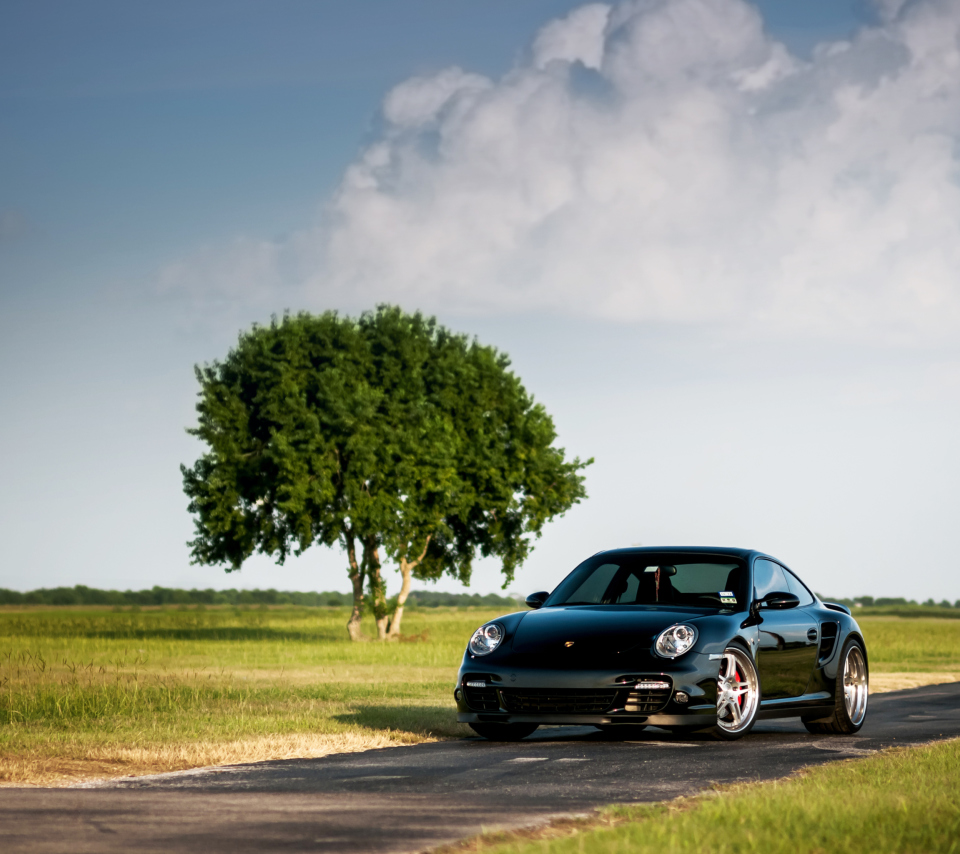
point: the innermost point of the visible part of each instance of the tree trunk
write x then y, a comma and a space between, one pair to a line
406, 571
393, 626
356, 579
378, 590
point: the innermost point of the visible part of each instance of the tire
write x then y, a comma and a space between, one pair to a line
738, 694
851, 693
503, 732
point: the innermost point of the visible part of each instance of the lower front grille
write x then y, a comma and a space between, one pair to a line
482, 699
647, 700
558, 700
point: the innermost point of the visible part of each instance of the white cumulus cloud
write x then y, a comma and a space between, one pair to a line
667, 160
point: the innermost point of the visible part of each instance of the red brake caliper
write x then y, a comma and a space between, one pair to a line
736, 676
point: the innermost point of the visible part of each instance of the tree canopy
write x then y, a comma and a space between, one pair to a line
387, 434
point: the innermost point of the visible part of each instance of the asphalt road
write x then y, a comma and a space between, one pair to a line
414, 798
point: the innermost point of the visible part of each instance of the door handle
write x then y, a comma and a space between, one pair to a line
811, 634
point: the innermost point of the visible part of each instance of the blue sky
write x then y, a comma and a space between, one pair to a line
133, 132
149, 150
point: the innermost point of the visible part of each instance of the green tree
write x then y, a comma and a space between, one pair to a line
386, 434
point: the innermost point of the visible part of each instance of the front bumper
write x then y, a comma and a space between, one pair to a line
690, 718
504, 694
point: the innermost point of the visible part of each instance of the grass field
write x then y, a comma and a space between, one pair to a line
903, 800
101, 693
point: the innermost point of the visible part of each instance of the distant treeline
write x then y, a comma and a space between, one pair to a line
81, 595
884, 601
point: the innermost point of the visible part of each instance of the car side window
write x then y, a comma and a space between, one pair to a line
797, 587
767, 578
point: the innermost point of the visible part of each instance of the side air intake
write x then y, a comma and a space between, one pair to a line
828, 639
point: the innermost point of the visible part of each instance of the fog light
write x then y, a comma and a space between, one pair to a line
458, 694
681, 697
476, 684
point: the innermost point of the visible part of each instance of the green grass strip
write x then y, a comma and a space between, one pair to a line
901, 800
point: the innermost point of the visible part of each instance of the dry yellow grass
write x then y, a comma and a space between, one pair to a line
112, 761
882, 682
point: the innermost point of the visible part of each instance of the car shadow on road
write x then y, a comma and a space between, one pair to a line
437, 721
418, 719
618, 733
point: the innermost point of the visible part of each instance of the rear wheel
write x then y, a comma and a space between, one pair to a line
851, 694
503, 732
738, 694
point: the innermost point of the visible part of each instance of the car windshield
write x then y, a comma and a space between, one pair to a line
629, 578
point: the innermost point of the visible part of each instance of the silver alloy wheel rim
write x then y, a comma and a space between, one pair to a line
737, 691
856, 687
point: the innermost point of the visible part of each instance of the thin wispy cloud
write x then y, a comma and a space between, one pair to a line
656, 160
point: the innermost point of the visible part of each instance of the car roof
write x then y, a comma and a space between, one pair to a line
695, 550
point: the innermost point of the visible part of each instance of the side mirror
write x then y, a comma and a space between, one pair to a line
536, 600
780, 601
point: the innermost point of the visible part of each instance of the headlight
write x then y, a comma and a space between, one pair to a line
675, 641
486, 639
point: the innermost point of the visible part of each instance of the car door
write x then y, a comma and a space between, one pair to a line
788, 639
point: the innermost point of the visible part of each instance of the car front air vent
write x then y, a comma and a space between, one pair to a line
480, 691
558, 700
481, 699
650, 694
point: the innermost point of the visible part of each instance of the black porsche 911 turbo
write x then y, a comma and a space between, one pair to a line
668, 637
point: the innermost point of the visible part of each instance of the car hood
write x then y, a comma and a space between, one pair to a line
583, 635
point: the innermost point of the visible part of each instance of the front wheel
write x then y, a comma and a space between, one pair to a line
738, 694
503, 732
850, 695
